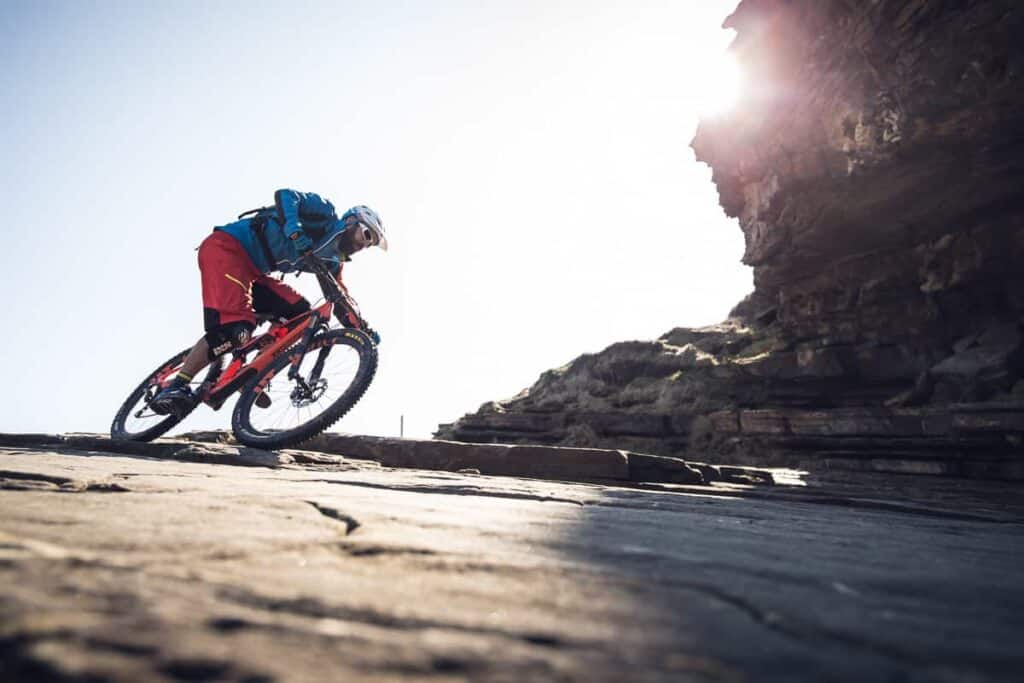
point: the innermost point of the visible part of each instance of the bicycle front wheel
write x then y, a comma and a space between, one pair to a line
334, 373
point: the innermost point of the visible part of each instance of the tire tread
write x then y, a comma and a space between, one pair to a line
247, 436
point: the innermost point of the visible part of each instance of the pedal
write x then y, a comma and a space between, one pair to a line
263, 400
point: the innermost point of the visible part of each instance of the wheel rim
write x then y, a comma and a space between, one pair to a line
296, 403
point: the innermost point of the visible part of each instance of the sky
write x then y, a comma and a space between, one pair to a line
529, 159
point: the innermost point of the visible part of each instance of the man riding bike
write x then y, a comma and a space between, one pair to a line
235, 262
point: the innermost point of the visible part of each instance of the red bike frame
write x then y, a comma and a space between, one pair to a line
278, 339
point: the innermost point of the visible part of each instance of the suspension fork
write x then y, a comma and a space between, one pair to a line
318, 366
315, 323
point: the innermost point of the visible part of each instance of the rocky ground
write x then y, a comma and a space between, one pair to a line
180, 564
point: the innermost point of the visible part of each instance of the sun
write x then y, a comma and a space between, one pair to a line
717, 84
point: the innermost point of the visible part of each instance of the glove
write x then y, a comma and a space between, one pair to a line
373, 334
301, 241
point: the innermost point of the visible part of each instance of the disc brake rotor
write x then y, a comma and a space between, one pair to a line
303, 395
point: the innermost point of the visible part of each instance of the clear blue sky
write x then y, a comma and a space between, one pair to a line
529, 158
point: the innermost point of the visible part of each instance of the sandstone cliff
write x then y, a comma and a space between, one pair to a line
875, 167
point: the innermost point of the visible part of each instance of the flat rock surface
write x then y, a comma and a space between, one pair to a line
126, 567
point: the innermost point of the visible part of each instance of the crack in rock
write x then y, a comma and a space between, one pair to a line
358, 550
795, 628
454, 491
121, 647
12, 480
351, 523
27, 485
104, 487
32, 476
810, 499
313, 608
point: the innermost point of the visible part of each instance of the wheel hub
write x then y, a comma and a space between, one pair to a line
303, 395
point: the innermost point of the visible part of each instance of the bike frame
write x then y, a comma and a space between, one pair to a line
280, 338
271, 344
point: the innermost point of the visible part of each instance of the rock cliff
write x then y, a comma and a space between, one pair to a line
874, 166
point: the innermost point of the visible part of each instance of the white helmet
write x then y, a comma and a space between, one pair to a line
368, 218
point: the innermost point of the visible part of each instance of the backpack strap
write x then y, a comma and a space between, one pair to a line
259, 228
253, 212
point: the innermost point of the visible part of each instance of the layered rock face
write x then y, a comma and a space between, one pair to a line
875, 166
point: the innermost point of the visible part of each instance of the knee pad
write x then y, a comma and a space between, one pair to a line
224, 338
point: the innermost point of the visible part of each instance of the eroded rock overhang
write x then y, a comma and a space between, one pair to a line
874, 166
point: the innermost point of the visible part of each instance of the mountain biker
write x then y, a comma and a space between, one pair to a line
235, 262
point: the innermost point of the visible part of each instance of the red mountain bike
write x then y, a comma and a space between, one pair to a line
303, 378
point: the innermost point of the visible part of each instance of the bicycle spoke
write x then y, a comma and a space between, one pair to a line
135, 420
294, 403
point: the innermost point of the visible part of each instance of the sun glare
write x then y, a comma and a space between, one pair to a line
718, 83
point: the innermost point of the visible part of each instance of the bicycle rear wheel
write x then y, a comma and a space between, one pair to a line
135, 421
333, 375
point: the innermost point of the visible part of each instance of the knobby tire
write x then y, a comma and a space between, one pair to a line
241, 423
118, 428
